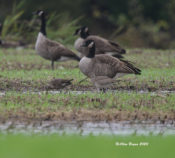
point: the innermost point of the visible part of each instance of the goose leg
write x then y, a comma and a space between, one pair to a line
83, 80
52, 65
103, 90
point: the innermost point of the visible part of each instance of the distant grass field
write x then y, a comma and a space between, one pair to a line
36, 146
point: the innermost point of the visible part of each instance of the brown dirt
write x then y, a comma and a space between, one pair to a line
21, 85
90, 115
25, 85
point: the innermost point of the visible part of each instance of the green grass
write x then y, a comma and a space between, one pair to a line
36, 146
45, 74
23, 70
117, 100
131, 106
155, 65
41, 74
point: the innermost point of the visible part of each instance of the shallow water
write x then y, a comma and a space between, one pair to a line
84, 92
122, 128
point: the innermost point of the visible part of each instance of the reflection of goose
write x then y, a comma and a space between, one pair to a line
103, 46
60, 83
103, 68
51, 50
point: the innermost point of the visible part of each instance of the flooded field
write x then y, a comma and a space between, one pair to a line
122, 128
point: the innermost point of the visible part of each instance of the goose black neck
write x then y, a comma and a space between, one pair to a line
84, 35
0, 30
0, 34
91, 53
43, 25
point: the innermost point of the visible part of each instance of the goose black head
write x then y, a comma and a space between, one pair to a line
40, 13
90, 44
83, 32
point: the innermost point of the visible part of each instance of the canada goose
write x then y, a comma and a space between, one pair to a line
103, 46
60, 83
102, 69
10, 44
48, 49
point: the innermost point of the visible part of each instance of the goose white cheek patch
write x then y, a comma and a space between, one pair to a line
91, 45
86, 29
40, 13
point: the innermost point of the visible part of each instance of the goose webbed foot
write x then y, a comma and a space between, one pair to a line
103, 90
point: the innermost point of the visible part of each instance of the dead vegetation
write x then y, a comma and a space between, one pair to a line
94, 115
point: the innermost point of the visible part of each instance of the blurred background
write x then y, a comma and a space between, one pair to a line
133, 23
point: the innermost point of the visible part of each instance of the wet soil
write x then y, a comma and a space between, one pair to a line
90, 115
25, 85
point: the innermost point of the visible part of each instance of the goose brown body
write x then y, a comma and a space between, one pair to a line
103, 46
106, 65
52, 50
60, 83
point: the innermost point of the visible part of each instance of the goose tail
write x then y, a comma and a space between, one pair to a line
77, 58
136, 70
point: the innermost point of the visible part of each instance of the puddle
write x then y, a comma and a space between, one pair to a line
122, 128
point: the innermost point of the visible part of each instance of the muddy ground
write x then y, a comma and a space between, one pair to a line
125, 84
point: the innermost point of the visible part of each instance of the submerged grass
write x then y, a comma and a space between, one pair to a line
19, 146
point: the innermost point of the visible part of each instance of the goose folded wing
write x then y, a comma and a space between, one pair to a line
57, 49
104, 45
110, 66
105, 65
